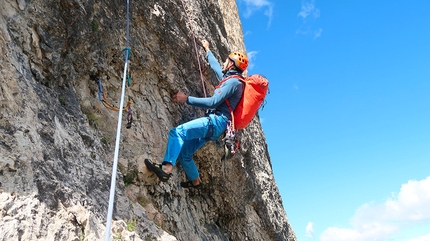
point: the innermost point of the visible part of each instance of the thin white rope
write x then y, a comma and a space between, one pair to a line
118, 136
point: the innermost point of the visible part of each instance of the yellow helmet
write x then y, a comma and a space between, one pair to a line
239, 59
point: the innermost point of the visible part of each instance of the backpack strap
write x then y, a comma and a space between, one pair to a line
239, 77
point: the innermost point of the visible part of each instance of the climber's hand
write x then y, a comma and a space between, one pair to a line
205, 44
180, 97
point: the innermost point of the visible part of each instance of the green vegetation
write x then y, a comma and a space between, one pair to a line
94, 25
62, 100
117, 236
131, 224
128, 175
105, 140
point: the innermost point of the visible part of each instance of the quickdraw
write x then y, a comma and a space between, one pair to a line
102, 97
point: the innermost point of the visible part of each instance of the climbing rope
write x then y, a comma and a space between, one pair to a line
195, 47
118, 135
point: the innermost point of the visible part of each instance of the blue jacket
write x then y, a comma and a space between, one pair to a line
231, 89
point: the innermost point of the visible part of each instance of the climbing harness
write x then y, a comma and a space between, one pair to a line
195, 48
118, 134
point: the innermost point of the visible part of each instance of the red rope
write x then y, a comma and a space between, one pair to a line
195, 47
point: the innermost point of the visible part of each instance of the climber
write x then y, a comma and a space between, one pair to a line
187, 138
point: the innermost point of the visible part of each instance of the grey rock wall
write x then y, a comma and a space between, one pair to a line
57, 139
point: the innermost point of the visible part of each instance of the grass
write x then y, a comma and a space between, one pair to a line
131, 224
117, 236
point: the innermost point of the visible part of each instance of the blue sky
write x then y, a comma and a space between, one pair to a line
347, 120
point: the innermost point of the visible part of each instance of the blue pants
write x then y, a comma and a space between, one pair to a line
187, 138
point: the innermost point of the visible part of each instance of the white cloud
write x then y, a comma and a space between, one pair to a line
252, 55
310, 230
247, 33
308, 31
422, 238
309, 9
317, 33
303, 31
378, 221
253, 6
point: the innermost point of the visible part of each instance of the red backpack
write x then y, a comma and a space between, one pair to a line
254, 92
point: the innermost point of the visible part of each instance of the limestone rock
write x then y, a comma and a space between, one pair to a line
57, 139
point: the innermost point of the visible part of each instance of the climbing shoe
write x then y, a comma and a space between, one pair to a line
158, 170
189, 184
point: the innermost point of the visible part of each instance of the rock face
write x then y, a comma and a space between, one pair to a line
57, 139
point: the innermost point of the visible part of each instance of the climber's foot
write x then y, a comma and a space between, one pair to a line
189, 184
158, 170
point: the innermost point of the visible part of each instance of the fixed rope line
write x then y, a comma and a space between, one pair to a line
195, 47
127, 37
118, 135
